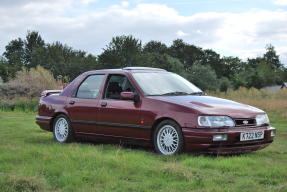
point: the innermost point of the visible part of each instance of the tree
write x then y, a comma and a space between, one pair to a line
163, 61
19, 52
212, 59
155, 47
14, 53
262, 76
4, 70
272, 58
254, 63
204, 67
264, 71
177, 50
224, 84
232, 65
33, 41
122, 51
187, 54
204, 77
239, 80
63, 61
284, 75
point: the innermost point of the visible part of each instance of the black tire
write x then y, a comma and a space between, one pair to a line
161, 145
67, 132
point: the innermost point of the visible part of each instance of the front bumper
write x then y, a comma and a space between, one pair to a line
201, 140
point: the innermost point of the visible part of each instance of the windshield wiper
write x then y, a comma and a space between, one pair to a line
176, 93
198, 93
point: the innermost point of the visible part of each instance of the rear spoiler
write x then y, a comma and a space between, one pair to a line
50, 92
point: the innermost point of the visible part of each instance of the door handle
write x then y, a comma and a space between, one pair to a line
72, 102
104, 104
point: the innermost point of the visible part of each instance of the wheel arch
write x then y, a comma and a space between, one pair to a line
54, 117
158, 121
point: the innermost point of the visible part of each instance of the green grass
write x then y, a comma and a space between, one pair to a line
31, 161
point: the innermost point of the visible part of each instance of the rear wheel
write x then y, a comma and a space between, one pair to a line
62, 129
167, 138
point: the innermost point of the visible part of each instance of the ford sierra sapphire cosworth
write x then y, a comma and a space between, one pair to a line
155, 107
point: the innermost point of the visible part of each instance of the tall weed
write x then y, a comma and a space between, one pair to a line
28, 83
22, 92
269, 101
19, 104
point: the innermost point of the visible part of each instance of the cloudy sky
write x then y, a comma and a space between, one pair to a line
231, 27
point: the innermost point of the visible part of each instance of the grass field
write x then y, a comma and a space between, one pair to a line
31, 161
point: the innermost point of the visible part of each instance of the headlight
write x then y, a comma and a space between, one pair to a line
215, 121
262, 119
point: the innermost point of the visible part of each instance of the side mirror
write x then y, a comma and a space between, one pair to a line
130, 96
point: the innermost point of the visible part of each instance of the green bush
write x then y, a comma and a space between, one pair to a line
224, 84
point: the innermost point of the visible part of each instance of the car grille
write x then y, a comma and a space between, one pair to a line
245, 122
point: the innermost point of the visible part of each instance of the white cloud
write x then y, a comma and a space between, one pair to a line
280, 2
237, 34
125, 3
88, 1
180, 33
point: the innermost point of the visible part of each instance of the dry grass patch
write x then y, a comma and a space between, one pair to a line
269, 101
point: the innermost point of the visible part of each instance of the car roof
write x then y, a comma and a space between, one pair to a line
143, 69
128, 70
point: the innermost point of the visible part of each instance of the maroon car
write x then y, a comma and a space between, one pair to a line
155, 107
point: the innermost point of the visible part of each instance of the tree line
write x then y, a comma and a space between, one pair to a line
204, 67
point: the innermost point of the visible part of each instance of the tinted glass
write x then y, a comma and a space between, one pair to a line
90, 87
154, 83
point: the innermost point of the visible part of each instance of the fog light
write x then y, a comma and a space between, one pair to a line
219, 137
273, 133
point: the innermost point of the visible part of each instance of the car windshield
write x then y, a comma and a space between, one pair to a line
165, 83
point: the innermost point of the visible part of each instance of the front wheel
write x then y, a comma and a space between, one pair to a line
62, 129
168, 139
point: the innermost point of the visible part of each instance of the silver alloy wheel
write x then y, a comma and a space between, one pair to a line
61, 129
167, 140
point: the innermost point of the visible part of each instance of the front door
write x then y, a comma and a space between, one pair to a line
119, 118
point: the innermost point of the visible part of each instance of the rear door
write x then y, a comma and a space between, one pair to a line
83, 107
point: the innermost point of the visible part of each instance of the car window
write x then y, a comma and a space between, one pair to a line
90, 87
117, 84
162, 83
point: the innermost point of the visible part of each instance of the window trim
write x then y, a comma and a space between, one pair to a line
106, 84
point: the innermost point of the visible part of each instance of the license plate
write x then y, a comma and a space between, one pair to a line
252, 135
